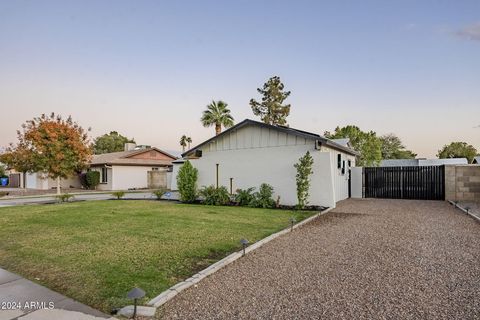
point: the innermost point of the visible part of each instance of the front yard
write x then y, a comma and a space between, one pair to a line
95, 252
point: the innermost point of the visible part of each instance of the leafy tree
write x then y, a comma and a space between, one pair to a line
270, 109
111, 142
304, 170
184, 140
218, 115
393, 148
367, 143
457, 150
187, 182
52, 145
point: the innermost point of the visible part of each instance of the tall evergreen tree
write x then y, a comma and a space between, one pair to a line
271, 109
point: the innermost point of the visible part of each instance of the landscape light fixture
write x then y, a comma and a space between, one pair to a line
244, 243
135, 294
292, 222
467, 209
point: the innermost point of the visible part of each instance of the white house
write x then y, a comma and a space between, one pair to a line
130, 169
251, 153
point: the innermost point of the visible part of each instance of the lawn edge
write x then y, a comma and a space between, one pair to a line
171, 292
465, 210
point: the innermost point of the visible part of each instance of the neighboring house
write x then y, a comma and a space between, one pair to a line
138, 167
422, 162
130, 169
251, 153
476, 160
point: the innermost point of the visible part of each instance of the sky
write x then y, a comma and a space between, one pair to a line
147, 69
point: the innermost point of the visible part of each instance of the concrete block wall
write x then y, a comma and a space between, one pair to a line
462, 183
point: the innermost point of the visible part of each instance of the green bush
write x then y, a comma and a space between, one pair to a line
2, 171
64, 197
159, 193
264, 197
215, 196
244, 196
118, 194
90, 179
187, 182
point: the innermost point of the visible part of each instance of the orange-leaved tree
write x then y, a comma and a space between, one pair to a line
52, 145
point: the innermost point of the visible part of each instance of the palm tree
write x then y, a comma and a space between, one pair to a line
217, 114
183, 142
189, 140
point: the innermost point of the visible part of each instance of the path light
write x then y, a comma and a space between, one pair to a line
467, 209
292, 222
244, 243
135, 294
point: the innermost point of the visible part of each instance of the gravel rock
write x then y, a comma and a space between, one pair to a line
367, 259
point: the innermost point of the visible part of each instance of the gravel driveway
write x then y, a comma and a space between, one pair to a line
367, 259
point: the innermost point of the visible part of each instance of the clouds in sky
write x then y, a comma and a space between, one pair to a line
471, 32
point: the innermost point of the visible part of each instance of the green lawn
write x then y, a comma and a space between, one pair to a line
97, 251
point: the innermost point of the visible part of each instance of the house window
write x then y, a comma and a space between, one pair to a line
349, 163
343, 167
339, 161
155, 169
104, 175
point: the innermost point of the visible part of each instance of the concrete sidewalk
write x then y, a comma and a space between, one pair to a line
25, 300
135, 195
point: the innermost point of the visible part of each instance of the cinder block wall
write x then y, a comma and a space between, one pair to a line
462, 183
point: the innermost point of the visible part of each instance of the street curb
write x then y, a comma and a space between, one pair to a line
168, 294
53, 195
465, 210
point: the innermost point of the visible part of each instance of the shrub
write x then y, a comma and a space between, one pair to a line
2, 171
264, 197
64, 197
304, 170
90, 179
159, 193
245, 196
118, 194
187, 182
215, 196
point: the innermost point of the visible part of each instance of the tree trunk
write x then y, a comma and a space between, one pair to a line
58, 186
218, 128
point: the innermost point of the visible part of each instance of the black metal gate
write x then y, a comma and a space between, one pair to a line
425, 183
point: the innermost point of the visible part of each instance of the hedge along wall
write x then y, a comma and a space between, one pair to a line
462, 183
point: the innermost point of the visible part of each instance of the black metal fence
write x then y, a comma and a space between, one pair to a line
426, 183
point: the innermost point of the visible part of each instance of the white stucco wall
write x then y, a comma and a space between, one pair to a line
254, 155
129, 177
41, 181
173, 183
